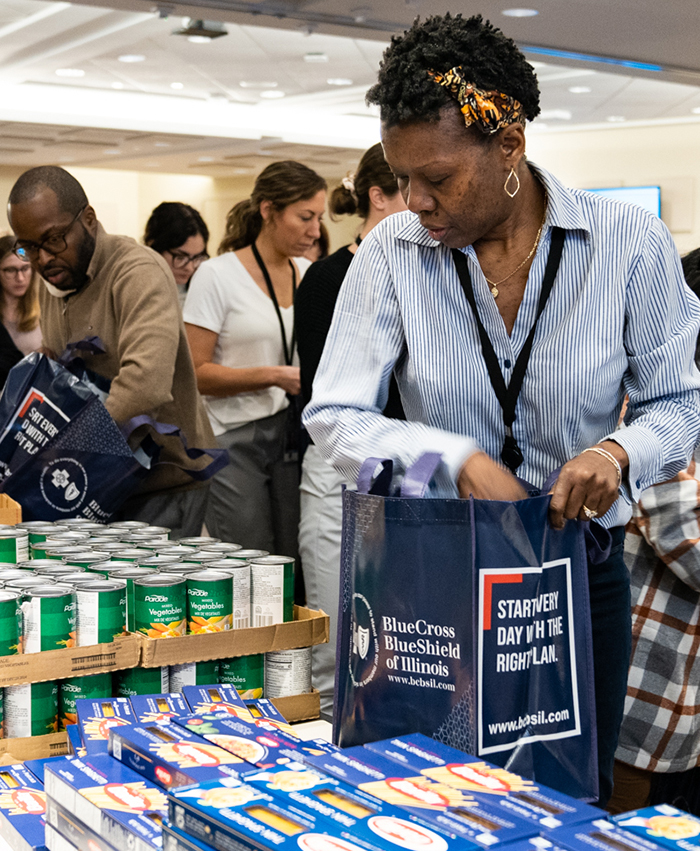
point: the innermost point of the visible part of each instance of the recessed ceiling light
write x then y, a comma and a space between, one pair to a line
117, 85
70, 72
520, 13
199, 39
315, 57
360, 14
271, 94
111, 151
131, 57
580, 90
205, 159
696, 110
258, 84
339, 81
177, 86
615, 119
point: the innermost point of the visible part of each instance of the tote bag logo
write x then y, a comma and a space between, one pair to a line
64, 484
364, 647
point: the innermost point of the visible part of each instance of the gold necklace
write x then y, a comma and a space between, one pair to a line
496, 284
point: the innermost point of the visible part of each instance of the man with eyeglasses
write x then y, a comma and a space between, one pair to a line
97, 284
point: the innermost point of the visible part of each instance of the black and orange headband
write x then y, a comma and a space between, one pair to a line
490, 111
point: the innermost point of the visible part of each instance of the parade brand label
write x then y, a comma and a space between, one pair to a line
526, 620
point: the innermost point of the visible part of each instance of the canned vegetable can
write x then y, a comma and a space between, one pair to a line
194, 674
209, 601
14, 545
31, 709
272, 589
100, 611
240, 571
129, 573
287, 672
200, 543
160, 606
247, 555
133, 681
10, 623
74, 688
48, 618
245, 673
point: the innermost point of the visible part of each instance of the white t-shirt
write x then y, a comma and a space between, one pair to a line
224, 298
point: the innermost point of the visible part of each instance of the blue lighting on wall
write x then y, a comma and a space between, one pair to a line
587, 57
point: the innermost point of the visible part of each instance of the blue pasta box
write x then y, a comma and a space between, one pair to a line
260, 743
97, 716
56, 842
664, 825
448, 810
36, 766
72, 830
488, 783
205, 700
116, 803
171, 756
75, 743
158, 707
598, 835
173, 840
262, 709
22, 809
357, 815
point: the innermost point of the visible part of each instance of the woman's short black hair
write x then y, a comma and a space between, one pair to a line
171, 224
405, 91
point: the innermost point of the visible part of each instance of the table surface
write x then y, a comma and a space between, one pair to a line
306, 730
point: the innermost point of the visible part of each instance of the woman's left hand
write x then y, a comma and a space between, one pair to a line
588, 480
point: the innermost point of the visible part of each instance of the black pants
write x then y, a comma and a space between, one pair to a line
611, 619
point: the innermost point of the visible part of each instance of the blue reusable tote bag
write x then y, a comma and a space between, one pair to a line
468, 621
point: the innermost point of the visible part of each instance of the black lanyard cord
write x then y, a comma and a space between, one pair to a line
288, 350
507, 396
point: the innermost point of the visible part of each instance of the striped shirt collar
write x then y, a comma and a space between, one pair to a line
563, 210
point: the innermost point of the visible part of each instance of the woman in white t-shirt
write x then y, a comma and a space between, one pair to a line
239, 317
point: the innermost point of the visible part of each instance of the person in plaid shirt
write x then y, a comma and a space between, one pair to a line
658, 751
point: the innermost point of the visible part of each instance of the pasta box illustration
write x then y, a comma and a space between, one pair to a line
597, 835
72, 830
75, 742
119, 805
173, 840
488, 783
171, 756
158, 707
441, 807
22, 809
97, 716
223, 699
261, 708
664, 825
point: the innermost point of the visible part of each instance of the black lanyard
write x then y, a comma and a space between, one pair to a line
288, 350
507, 396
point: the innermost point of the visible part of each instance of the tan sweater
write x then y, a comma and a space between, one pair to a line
131, 303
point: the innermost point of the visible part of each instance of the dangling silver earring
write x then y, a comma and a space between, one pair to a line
511, 174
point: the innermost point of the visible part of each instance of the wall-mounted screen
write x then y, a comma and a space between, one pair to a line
648, 197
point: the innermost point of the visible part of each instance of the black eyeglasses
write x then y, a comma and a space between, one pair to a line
182, 258
54, 244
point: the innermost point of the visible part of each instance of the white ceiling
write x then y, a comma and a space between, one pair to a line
217, 120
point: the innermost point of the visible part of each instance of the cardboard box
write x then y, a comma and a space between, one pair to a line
664, 825
35, 747
170, 756
123, 652
309, 627
72, 830
486, 782
299, 707
112, 800
440, 807
598, 835
22, 809
10, 511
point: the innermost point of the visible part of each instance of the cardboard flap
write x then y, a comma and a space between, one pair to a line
299, 707
309, 627
35, 747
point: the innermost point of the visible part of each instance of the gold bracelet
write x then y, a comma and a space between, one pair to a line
610, 457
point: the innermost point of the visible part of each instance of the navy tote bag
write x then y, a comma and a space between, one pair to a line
468, 621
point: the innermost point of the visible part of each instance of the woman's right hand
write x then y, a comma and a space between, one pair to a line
288, 378
483, 478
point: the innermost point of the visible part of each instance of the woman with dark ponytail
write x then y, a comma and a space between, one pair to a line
239, 316
372, 194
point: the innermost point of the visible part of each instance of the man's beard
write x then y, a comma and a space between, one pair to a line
87, 249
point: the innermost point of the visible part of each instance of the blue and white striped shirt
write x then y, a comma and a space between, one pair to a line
620, 319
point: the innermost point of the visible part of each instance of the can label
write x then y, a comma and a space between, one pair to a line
194, 674
100, 615
70, 690
14, 546
241, 597
160, 610
31, 709
10, 624
245, 673
287, 672
272, 592
133, 681
124, 576
48, 623
209, 604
